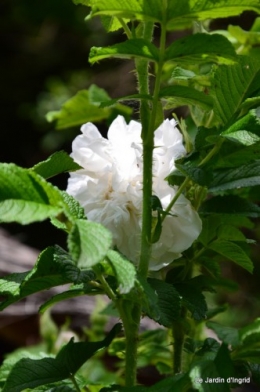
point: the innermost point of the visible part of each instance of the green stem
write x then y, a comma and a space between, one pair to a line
212, 152
148, 145
72, 377
178, 336
177, 195
130, 315
126, 28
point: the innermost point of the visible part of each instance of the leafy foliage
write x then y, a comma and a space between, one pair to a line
222, 91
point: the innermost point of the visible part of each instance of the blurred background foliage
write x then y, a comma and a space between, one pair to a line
44, 61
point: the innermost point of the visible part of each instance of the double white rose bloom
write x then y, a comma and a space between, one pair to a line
110, 187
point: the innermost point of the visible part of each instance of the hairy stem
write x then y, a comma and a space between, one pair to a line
178, 337
148, 145
130, 315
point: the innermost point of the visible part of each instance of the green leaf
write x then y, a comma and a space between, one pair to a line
230, 204
205, 371
246, 127
199, 175
57, 163
193, 300
168, 305
250, 334
226, 334
112, 24
182, 14
235, 154
133, 48
232, 252
145, 10
54, 267
200, 47
183, 95
48, 370
85, 107
124, 270
74, 291
176, 15
243, 176
25, 197
239, 81
88, 243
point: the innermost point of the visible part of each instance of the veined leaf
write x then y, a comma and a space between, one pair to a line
193, 300
53, 267
182, 14
201, 47
88, 243
57, 163
26, 197
232, 252
249, 123
168, 305
48, 370
177, 15
232, 85
133, 9
219, 366
230, 204
234, 154
124, 270
84, 107
243, 176
132, 48
183, 95
226, 334
75, 291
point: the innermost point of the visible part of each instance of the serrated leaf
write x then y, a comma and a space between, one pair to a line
25, 197
246, 127
183, 95
198, 175
230, 204
232, 252
54, 267
182, 14
243, 176
131, 10
48, 370
201, 47
242, 79
218, 368
193, 300
57, 163
133, 48
75, 291
84, 107
177, 15
250, 334
168, 305
72, 211
88, 243
228, 335
112, 24
124, 270
234, 154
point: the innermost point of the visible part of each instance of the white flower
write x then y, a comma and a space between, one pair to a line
110, 187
